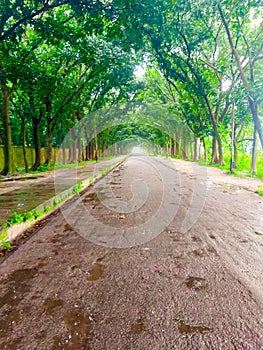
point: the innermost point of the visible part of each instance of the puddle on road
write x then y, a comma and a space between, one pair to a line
91, 197
22, 275
68, 228
196, 283
196, 239
16, 288
11, 318
138, 326
17, 284
50, 305
96, 272
188, 329
175, 276
78, 327
199, 252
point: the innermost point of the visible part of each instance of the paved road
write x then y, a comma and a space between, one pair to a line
157, 255
26, 193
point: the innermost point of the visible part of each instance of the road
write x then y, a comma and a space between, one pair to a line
159, 254
25, 193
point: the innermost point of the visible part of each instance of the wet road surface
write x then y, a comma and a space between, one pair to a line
157, 255
25, 194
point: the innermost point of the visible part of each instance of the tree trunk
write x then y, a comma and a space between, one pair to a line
23, 132
96, 155
90, 148
184, 149
8, 149
217, 139
74, 151
196, 149
36, 134
64, 154
172, 146
205, 149
214, 159
87, 152
254, 153
235, 155
177, 144
104, 147
220, 148
48, 104
232, 139
49, 144
80, 150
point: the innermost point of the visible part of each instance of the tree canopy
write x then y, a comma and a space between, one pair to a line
60, 60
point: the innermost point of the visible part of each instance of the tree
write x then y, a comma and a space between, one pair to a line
247, 52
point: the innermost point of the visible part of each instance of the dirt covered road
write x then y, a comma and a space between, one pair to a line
159, 254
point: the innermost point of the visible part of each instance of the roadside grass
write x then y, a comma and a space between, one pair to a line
260, 190
244, 167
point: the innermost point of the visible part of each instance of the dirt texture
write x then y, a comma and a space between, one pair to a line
159, 254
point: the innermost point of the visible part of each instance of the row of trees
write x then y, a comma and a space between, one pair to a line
60, 60
210, 56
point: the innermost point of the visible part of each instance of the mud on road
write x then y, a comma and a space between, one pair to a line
160, 254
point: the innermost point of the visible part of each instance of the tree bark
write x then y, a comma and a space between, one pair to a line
172, 146
254, 153
232, 166
91, 150
49, 144
48, 104
196, 149
217, 143
8, 149
214, 159
37, 144
23, 132
205, 149
184, 149
104, 147
177, 144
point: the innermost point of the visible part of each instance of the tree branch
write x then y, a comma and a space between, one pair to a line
29, 17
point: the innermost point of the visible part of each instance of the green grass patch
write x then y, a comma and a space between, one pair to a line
244, 166
260, 190
5, 245
77, 188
